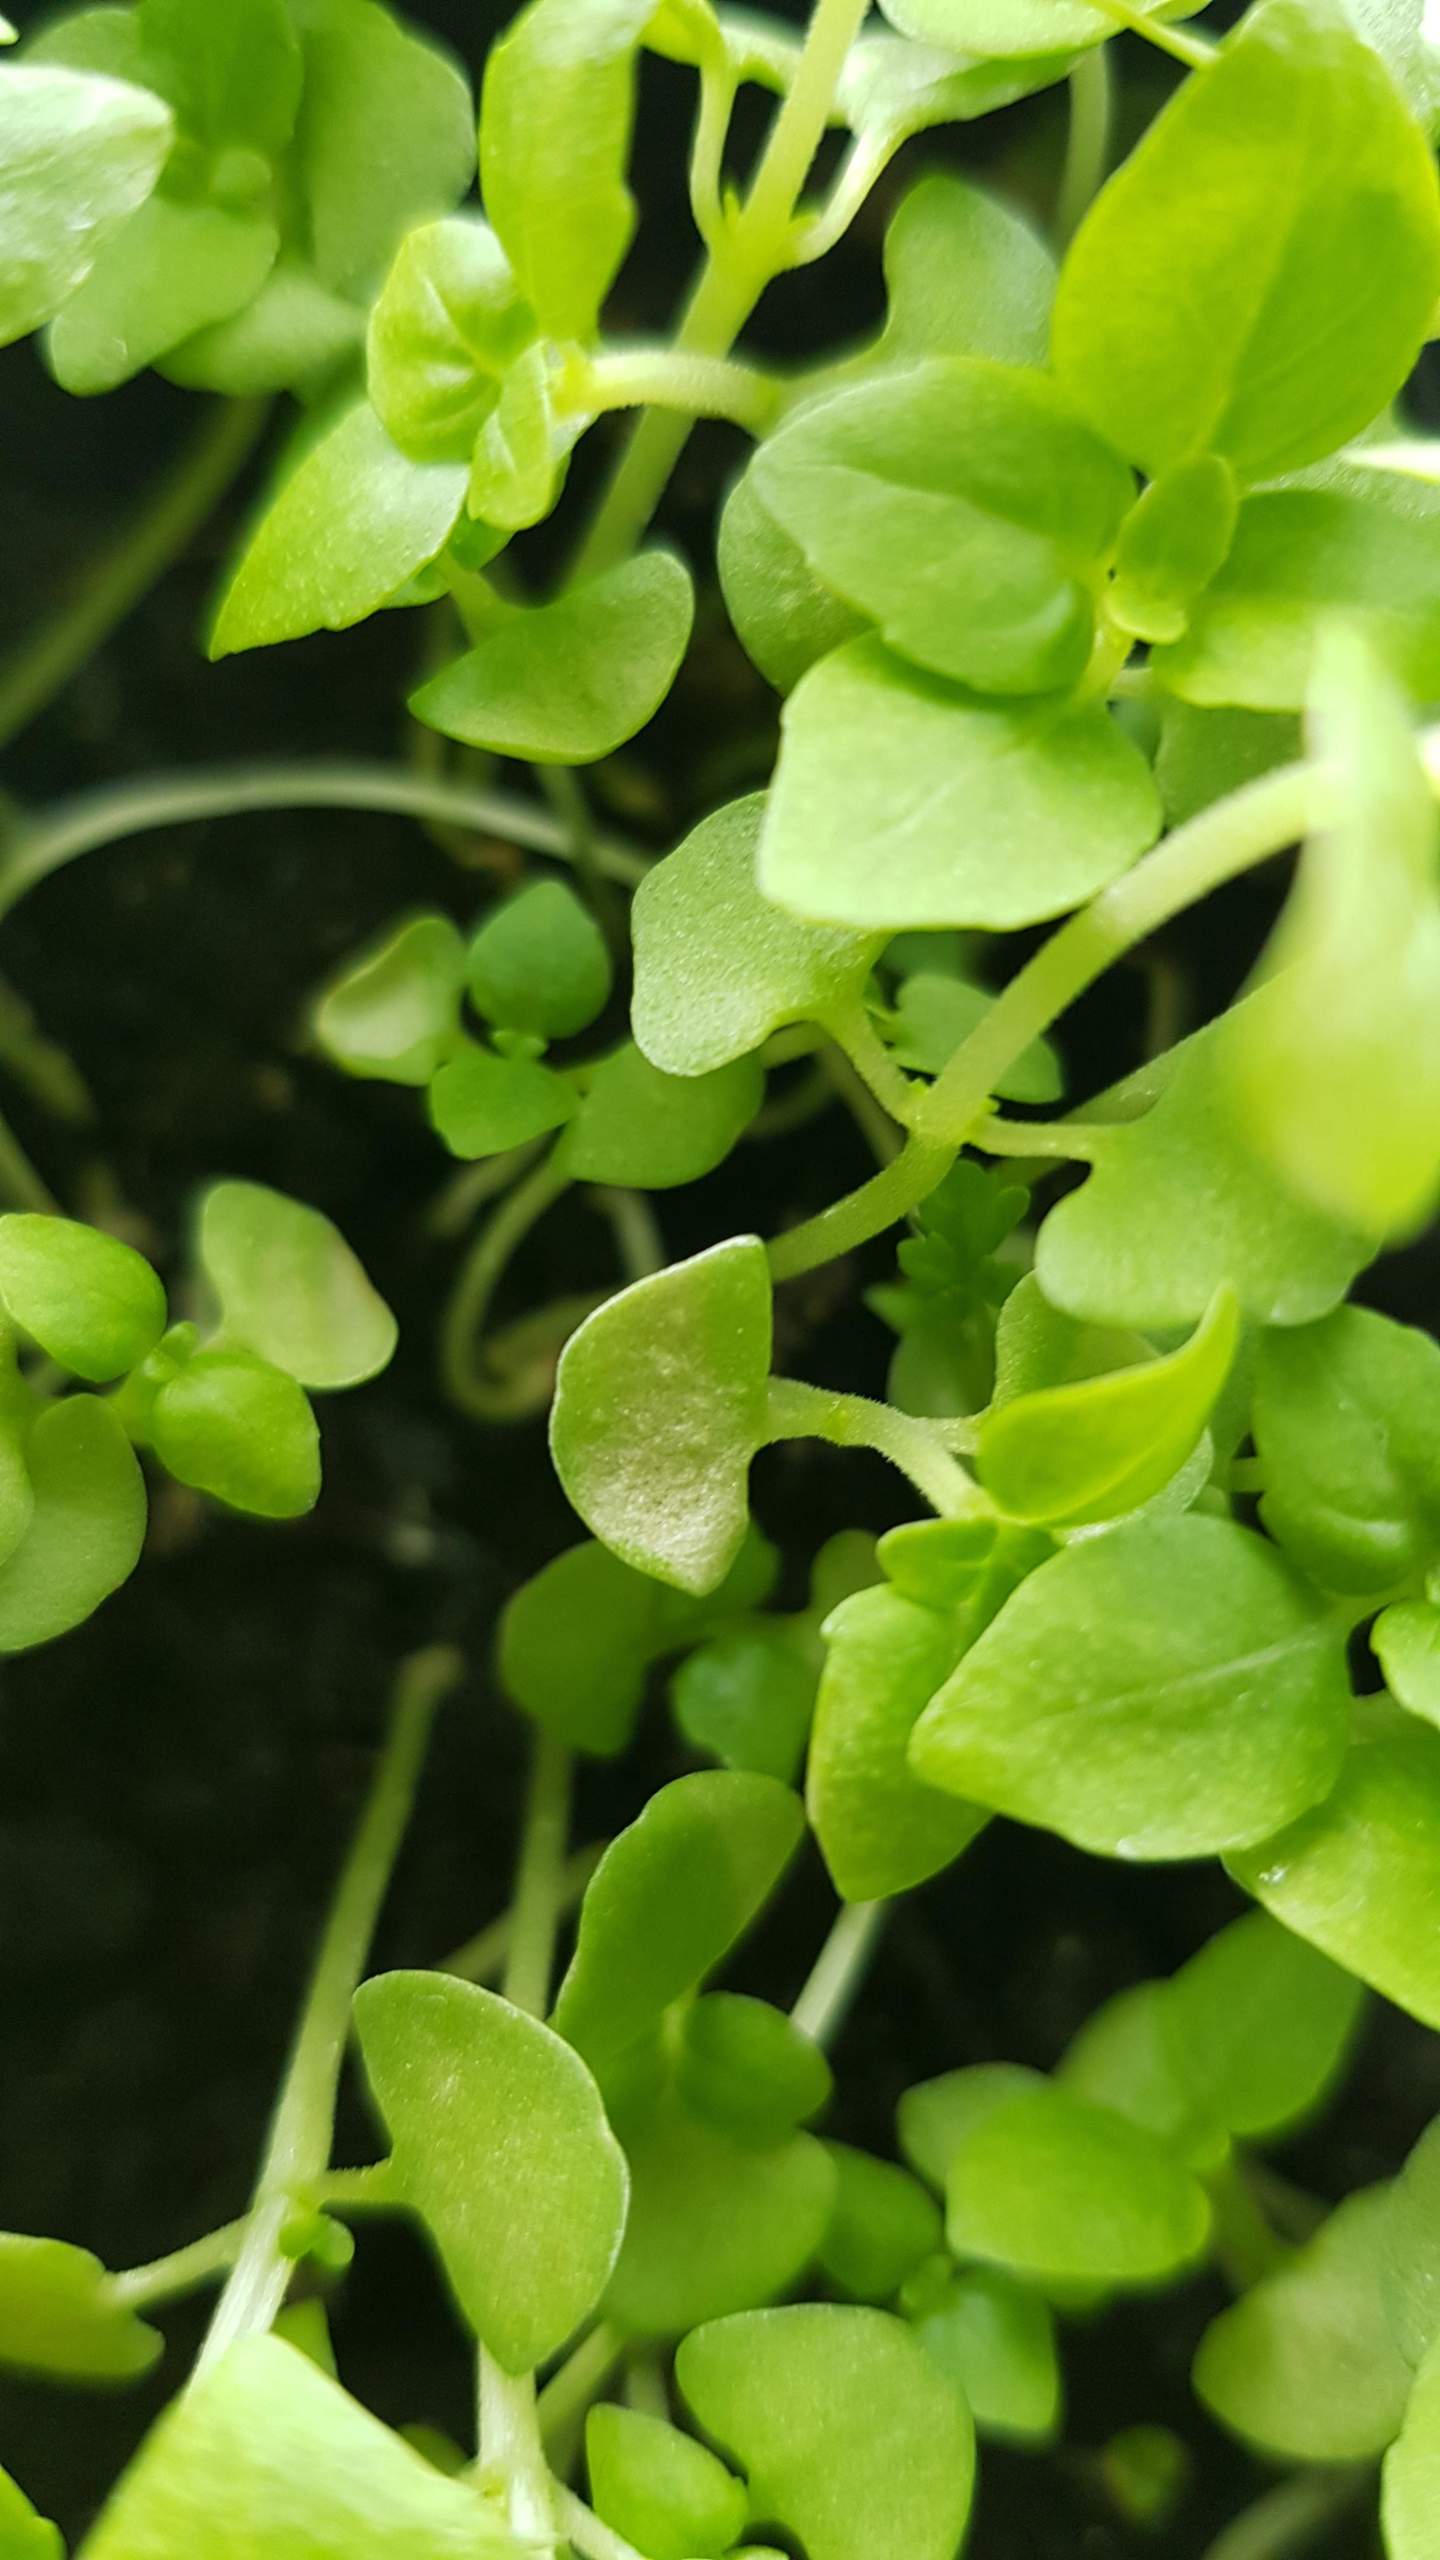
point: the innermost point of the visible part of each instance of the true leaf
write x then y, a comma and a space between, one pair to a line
715, 2225
1407, 1641
848, 2434
385, 136
965, 275
744, 2066
784, 615
1047, 2185
481, 1104
555, 123
1154, 1693
1304, 2365
78, 156
1038, 1347
900, 800
241, 1430
568, 682
91, 1302
233, 75
448, 323
636, 1125
87, 1527
891, 88
1171, 544
290, 1288
995, 2339
935, 1011
539, 963
936, 2116
393, 1012
501, 2145
1257, 2027
882, 2225
1347, 1424
880, 1829
174, 268
665, 2494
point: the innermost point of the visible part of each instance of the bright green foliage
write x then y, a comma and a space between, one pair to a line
1203, 755
1347, 1424
1409, 2252
539, 963
17, 1499
890, 89
996, 2340
1171, 544
849, 2436
1305, 2365
1339, 1066
1115, 1698
265, 2433
92, 1303
555, 123
516, 468
964, 508
880, 1828
936, 2116
241, 1430
1046, 2185
935, 1010
448, 324
966, 276
290, 1288
665, 2493
716, 2224
1102, 1446
1356, 1876
1124, 2059
883, 2225
294, 335
174, 269
565, 683
900, 800
1412, 2473
746, 1698
1010, 27
501, 2145
660, 1404
352, 521
1407, 1641
784, 615
637, 1126
79, 155
481, 1104
59, 2314
669, 1898
717, 966
395, 1012
233, 76
1175, 337
24, 2535
1257, 2027
386, 135
1038, 1349
742, 2065
86, 1529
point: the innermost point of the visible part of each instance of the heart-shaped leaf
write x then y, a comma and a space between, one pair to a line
539, 963
60, 2313
568, 682
290, 1288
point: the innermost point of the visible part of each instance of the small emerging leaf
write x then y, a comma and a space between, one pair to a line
568, 682
664, 2493
539, 963
393, 1013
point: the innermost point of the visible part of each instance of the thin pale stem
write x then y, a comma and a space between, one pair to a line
865, 164
571, 2390
1293, 2516
298, 2150
853, 1031
659, 378
584, 2529
707, 156
482, 1958
1087, 143
540, 1877
1064, 1138
839, 1971
798, 1411
512, 2456
20, 1183
462, 1360
1194, 51
636, 1230
183, 2270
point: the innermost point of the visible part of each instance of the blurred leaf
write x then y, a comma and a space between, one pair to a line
665, 2494
79, 156
290, 1288
568, 682
60, 2315
539, 963
92, 1304
393, 1012
1304, 2365
87, 1527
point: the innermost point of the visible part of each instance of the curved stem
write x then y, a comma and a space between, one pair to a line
865, 165
43, 664
798, 1411
482, 1958
540, 1878
853, 1032
577, 2382
1194, 51
839, 1971
462, 1365
1068, 1139
1087, 142
298, 2150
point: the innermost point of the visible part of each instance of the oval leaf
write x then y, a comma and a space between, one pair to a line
92, 1303
87, 1527
568, 682
290, 1288
60, 2314
78, 156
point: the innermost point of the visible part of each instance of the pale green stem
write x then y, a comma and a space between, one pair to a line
298, 2150
660, 378
876, 1126
40, 846
807, 1097
462, 1360
454, 1206
865, 164
707, 157
1294, 2515
839, 1971
482, 1958
583, 2527
645, 2386
798, 1411
183, 2271
540, 1877
571, 2390
20, 1184
512, 2456
1194, 51
43, 664
853, 1031
1001, 1137
1087, 144
636, 1230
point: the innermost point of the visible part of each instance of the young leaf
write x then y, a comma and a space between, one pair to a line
995, 2339
715, 2225
290, 1288
59, 2314
890, 88
964, 508
241, 1430
1412, 2472
717, 967
232, 75
92, 1303
636, 1126
882, 2226
669, 1898
568, 682
746, 1698
1171, 544
87, 1527
354, 519
1046, 2185
1204, 755
385, 138
665, 2494
264, 2433
1175, 338
1100, 1447
1304, 2365
1347, 1424
394, 1012
1406, 1639
539, 963
555, 118
1001, 28
517, 465
576, 1641
174, 268
935, 1011
481, 1104
966, 276
784, 616
900, 800
1356, 1875
1257, 2027
880, 1830
742, 2065
849, 2435
447, 325
501, 2145
1038, 1348
936, 2116
24, 2535
1154, 1693
78, 156
1408, 2253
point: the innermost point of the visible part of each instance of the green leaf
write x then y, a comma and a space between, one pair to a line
1338, 1067
1171, 544
174, 268
665, 2494
742, 2065
1115, 1698
575, 1643
1304, 2365
1047, 2185
934, 2117
881, 2227
964, 508
232, 75
539, 963
87, 1528
639, 1127
784, 616
568, 682
481, 1104
24, 2535
1258, 2026
1175, 337
1406, 1639
746, 1698
1347, 1424
291, 336
880, 1830
1124, 2059
1000, 28
996, 2341
394, 1012
935, 1011
1411, 2478
60, 2314
1181, 1203
517, 464
849, 2435
1364, 544
264, 2434
1408, 2252
891, 88
92, 1303
966, 276
715, 2225
669, 1898
1038, 1348
290, 1288
1204, 755
240, 1430
555, 118
78, 156
385, 138
447, 325
354, 519
501, 2145
900, 800
1100, 1447
717, 966
1356, 1875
